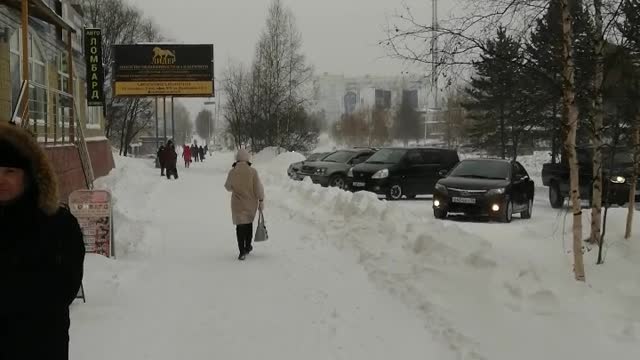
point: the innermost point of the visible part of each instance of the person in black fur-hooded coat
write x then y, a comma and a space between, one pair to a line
41, 253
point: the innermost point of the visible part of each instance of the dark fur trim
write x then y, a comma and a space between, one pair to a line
41, 169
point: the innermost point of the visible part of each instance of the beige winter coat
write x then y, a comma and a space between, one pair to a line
246, 192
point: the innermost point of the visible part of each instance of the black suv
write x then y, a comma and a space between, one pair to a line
332, 170
398, 172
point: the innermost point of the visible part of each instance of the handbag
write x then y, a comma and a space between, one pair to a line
261, 231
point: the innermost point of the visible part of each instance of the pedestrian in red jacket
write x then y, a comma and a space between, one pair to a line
186, 154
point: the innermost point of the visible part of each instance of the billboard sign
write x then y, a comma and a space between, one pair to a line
163, 70
95, 69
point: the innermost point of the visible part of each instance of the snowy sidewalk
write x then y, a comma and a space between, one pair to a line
178, 291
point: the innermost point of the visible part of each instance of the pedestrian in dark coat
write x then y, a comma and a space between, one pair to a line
202, 155
41, 253
171, 158
161, 159
195, 152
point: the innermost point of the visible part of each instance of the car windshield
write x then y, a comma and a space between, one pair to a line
316, 156
387, 156
482, 169
620, 157
339, 157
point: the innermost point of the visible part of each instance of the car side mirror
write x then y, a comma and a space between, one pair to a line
443, 173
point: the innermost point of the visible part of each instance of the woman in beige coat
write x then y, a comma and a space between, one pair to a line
247, 196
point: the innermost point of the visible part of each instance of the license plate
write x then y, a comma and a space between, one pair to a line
359, 184
462, 200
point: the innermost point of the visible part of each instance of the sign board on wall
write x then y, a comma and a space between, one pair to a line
95, 69
93, 210
163, 70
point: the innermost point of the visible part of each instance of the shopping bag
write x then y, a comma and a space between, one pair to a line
261, 231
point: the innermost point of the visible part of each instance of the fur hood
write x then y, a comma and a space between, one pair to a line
44, 177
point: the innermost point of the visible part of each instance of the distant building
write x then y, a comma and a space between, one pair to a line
337, 95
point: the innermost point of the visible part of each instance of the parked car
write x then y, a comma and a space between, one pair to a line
616, 179
332, 170
497, 188
398, 172
294, 169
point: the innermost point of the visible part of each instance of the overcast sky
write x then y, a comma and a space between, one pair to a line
339, 36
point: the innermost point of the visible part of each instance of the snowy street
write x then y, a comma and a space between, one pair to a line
343, 276
183, 292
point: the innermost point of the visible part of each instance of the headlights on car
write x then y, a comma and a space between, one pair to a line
441, 188
321, 171
499, 191
382, 174
350, 173
618, 179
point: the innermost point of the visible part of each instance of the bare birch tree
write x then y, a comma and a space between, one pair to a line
570, 110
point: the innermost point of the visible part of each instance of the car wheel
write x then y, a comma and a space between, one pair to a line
440, 214
555, 198
507, 214
337, 181
395, 192
527, 213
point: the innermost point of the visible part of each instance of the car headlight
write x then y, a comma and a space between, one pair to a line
321, 171
382, 174
499, 191
350, 173
441, 188
618, 179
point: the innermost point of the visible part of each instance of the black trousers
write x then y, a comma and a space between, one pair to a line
171, 172
244, 233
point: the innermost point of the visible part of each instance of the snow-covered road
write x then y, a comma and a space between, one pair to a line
344, 276
177, 290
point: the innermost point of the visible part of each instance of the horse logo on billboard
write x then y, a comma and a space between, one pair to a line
163, 57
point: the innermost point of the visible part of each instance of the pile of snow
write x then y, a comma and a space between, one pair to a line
130, 188
492, 291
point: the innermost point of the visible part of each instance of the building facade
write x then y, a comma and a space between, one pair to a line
56, 93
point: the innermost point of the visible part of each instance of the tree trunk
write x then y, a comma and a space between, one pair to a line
554, 135
503, 140
570, 111
597, 128
634, 178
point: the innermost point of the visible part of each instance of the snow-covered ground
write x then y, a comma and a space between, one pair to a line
345, 276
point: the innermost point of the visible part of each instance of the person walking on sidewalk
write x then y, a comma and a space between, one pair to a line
194, 152
161, 159
171, 160
247, 196
186, 154
41, 253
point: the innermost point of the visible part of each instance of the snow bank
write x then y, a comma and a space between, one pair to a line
130, 185
491, 291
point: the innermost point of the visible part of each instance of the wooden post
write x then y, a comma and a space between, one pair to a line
25, 60
72, 122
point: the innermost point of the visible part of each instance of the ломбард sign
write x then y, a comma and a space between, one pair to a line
95, 69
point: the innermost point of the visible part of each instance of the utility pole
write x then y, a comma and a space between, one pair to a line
434, 65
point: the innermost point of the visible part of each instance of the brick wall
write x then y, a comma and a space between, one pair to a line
66, 162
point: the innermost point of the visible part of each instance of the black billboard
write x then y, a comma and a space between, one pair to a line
95, 69
163, 69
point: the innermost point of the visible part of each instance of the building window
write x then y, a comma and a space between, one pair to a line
95, 114
37, 76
